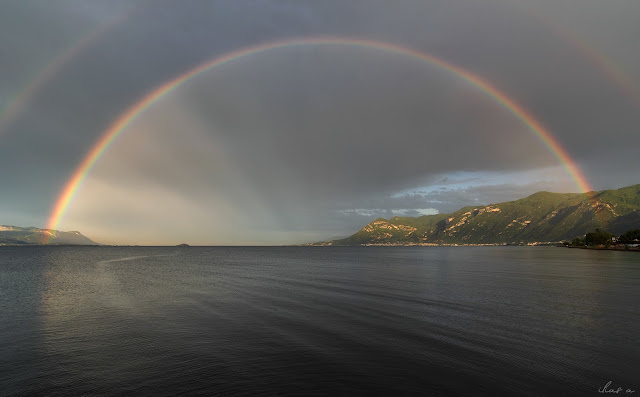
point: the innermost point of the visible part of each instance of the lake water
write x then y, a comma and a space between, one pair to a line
318, 320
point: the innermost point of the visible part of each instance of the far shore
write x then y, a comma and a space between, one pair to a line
612, 248
537, 244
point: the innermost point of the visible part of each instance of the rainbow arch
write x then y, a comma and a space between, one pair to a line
614, 73
117, 127
21, 99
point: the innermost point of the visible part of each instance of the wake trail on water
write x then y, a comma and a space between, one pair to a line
132, 258
111, 288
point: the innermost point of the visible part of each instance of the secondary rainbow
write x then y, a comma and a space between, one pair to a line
21, 100
107, 138
623, 81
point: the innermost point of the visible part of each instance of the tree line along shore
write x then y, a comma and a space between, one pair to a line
601, 239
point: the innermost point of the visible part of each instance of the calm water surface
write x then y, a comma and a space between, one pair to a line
316, 321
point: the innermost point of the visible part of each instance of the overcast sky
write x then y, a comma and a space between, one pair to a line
306, 143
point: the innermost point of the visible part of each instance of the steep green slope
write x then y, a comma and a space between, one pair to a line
541, 217
32, 235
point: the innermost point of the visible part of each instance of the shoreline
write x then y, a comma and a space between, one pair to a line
537, 244
624, 249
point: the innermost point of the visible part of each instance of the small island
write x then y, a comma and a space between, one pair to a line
182, 245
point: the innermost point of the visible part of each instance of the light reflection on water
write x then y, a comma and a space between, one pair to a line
304, 320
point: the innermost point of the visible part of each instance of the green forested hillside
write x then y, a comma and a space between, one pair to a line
541, 217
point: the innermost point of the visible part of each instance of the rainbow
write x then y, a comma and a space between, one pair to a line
21, 100
623, 82
108, 137
614, 73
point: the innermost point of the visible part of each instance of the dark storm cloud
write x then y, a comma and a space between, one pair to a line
320, 132
151, 43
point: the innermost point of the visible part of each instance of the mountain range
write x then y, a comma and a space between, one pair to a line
14, 235
541, 217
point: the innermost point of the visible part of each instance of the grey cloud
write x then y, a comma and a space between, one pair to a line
451, 200
308, 134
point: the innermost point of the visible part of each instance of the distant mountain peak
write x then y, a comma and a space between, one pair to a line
15, 235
